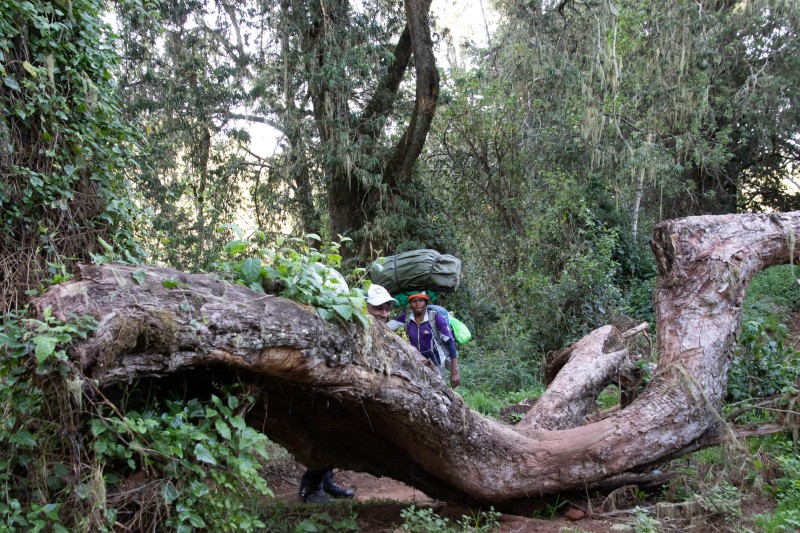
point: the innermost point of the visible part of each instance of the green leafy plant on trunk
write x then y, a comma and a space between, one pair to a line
291, 268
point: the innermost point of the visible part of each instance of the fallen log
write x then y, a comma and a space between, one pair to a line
365, 400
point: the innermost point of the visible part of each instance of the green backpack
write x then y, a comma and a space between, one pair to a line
460, 330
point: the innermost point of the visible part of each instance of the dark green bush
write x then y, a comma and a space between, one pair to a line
765, 362
73, 462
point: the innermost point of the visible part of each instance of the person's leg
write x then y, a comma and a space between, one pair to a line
332, 489
311, 486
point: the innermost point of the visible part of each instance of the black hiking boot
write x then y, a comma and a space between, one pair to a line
315, 496
311, 487
330, 487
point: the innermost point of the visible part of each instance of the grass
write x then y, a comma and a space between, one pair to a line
774, 293
490, 404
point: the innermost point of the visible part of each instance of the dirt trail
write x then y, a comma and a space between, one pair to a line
367, 488
387, 498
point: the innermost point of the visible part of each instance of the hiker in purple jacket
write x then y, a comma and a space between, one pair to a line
423, 336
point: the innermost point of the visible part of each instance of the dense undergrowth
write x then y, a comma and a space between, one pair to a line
719, 485
549, 249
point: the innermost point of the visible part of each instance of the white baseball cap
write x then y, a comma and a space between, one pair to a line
377, 295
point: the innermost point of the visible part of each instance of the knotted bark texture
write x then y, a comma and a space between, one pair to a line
367, 401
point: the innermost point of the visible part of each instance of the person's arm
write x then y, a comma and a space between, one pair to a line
455, 377
397, 323
452, 350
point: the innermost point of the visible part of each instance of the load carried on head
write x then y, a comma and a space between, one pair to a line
417, 270
422, 270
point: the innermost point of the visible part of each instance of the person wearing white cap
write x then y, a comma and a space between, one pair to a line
379, 302
317, 485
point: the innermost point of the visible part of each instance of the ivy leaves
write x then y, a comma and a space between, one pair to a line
65, 154
47, 339
206, 454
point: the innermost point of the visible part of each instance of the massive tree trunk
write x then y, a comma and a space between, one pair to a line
366, 400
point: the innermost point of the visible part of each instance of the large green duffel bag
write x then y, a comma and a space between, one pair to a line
417, 270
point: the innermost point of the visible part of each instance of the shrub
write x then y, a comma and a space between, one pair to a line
787, 513
765, 362
426, 521
295, 270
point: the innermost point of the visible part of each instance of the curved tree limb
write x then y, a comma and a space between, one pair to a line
366, 400
409, 146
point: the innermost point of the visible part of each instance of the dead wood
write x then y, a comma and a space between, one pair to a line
365, 400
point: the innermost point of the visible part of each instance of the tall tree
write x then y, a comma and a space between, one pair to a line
690, 107
184, 73
587, 122
326, 76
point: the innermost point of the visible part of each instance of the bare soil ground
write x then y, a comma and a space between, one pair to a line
379, 502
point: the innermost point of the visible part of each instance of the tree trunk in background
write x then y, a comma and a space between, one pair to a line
367, 401
352, 204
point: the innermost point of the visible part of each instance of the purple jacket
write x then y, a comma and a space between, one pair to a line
421, 335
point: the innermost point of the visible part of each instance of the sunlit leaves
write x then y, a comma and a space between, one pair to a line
298, 271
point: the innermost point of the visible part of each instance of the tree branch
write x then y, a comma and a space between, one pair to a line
383, 99
408, 148
368, 401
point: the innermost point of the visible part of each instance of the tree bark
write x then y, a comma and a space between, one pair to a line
367, 401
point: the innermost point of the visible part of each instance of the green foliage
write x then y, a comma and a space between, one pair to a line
426, 521
772, 293
608, 397
551, 509
298, 271
64, 152
194, 69
324, 522
639, 300
568, 287
36, 382
559, 163
503, 361
786, 516
723, 498
765, 363
205, 460
644, 523
203, 463
284, 517
491, 403
481, 402
179, 84
422, 520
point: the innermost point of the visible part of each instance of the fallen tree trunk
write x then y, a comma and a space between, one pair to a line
588, 366
367, 401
